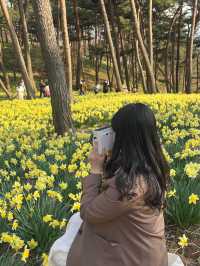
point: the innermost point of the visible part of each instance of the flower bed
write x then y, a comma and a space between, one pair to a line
40, 172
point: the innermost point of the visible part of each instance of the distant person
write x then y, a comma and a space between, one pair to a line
125, 90
96, 89
21, 90
42, 85
106, 86
47, 90
82, 87
134, 90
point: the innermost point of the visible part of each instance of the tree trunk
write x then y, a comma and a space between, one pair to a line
6, 35
2, 37
185, 76
55, 68
2, 67
136, 74
166, 56
115, 37
5, 89
67, 49
108, 66
112, 50
156, 62
150, 42
173, 61
124, 62
197, 72
124, 58
18, 51
78, 36
58, 22
150, 33
132, 63
140, 67
178, 48
96, 54
25, 38
188, 85
149, 68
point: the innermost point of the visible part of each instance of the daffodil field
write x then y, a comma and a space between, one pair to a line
40, 172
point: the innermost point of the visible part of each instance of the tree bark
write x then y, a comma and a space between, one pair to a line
149, 68
58, 22
186, 58
5, 89
124, 58
132, 63
140, 67
112, 50
2, 37
108, 66
55, 68
78, 36
173, 61
124, 62
2, 67
115, 37
97, 58
18, 51
150, 33
197, 72
166, 56
178, 48
67, 49
26, 43
188, 85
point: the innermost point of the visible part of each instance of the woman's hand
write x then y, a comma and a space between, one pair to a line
96, 161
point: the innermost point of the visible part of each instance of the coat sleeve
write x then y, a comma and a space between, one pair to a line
100, 208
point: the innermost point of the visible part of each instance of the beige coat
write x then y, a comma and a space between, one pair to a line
117, 233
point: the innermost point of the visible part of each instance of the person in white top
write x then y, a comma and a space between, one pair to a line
21, 90
47, 91
96, 89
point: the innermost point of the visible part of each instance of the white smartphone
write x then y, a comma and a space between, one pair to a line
104, 137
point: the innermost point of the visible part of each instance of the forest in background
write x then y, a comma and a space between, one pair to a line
150, 46
139, 45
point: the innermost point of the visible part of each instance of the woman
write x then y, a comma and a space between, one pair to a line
123, 224
42, 87
47, 90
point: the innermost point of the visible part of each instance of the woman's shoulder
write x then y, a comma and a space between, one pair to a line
137, 192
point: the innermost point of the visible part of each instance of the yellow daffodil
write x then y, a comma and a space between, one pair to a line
47, 218
63, 185
76, 207
172, 173
32, 244
54, 223
15, 225
25, 254
54, 169
183, 241
171, 193
193, 199
45, 260
36, 195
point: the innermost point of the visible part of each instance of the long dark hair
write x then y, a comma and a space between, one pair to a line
138, 152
